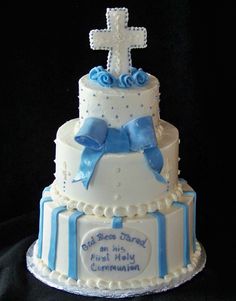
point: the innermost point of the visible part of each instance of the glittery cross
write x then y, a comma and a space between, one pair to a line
119, 39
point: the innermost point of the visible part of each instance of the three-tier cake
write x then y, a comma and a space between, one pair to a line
117, 217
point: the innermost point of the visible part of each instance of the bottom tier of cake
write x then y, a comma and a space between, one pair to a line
117, 253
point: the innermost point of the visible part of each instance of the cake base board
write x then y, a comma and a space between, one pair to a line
175, 282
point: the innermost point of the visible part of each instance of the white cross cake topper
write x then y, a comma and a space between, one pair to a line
119, 39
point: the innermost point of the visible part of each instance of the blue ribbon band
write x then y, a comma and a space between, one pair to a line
52, 254
117, 222
98, 139
73, 244
161, 243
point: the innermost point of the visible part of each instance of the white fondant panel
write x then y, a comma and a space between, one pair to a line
116, 105
174, 230
46, 232
62, 243
119, 179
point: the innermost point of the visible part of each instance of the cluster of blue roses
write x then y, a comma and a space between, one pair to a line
137, 77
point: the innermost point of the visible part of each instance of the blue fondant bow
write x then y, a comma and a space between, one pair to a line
98, 139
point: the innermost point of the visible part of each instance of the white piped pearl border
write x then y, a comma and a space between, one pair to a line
118, 285
130, 210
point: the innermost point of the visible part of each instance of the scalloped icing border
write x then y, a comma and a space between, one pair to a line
113, 285
129, 211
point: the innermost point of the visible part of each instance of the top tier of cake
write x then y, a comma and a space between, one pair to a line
119, 93
117, 106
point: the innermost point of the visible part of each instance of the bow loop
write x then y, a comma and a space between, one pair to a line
136, 135
93, 133
141, 133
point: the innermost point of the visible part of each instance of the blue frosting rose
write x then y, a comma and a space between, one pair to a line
133, 70
93, 74
137, 77
125, 81
105, 79
140, 77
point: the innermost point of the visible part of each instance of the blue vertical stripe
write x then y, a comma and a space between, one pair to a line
54, 235
117, 222
73, 245
41, 222
186, 251
161, 243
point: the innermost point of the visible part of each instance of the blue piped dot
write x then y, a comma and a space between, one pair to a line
127, 106
131, 115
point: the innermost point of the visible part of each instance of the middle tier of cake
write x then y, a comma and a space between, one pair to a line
123, 184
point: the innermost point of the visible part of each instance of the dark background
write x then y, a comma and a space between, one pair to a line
46, 50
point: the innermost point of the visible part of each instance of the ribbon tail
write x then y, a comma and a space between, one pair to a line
160, 178
155, 161
89, 160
